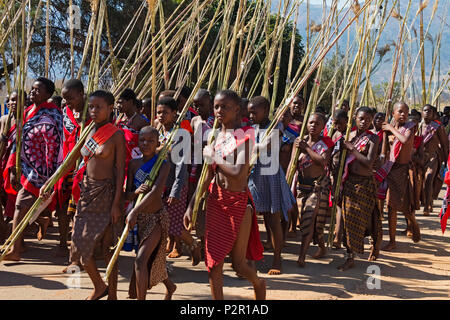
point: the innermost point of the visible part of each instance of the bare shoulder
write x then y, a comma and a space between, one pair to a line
134, 164
374, 138
141, 122
119, 136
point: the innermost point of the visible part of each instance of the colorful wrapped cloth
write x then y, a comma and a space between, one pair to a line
290, 134
132, 240
157, 271
146, 224
313, 198
103, 134
225, 211
430, 130
320, 147
400, 193
382, 173
176, 213
271, 193
93, 218
358, 205
445, 210
41, 152
9, 194
131, 141
71, 130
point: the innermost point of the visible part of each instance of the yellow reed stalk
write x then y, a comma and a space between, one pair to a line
199, 195
52, 181
298, 86
161, 157
72, 56
47, 38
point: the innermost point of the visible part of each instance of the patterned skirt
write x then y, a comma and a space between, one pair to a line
359, 203
400, 194
176, 213
313, 197
93, 218
271, 193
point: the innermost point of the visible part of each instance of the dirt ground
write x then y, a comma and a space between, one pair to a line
412, 271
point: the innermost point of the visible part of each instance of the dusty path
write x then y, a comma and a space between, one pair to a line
413, 271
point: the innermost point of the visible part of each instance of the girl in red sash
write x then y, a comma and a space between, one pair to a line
231, 226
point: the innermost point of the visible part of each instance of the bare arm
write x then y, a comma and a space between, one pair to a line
242, 161
157, 189
368, 160
130, 195
402, 138
443, 140
293, 153
120, 166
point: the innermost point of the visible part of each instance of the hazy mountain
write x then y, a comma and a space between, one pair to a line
390, 34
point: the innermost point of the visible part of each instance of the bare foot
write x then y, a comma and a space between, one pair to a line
267, 246
196, 255
426, 213
98, 294
260, 290
416, 232
72, 268
12, 256
274, 272
43, 222
336, 245
373, 254
389, 247
301, 262
169, 291
276, 268
349, 263
319, 253
169, 247
409, 233
174, 253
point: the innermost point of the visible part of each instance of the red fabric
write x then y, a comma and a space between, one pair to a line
417, 142
328, 141
186, 125
100, 136
70, 140
380, 135
241, 135
447, 174
7, 163
131, 142
29, 113
224, 214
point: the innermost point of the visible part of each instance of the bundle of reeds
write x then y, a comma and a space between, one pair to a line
52, 181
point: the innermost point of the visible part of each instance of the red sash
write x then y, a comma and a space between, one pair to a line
29, 113
6, 183
227, 144
320, 147
71, 130
100, 137
382, 173
360, 145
